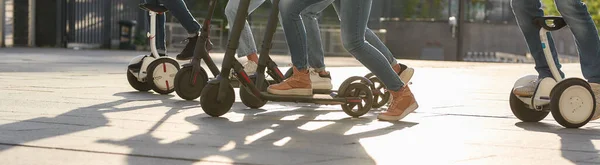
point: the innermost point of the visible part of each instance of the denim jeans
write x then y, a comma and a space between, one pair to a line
354, 15
247, 44
315, 48
180, 11
579, 20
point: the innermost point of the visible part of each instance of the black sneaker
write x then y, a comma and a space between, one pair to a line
188, 51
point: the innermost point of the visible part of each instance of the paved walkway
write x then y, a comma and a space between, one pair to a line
75, 107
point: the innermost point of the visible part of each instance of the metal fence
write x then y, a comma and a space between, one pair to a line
94, 23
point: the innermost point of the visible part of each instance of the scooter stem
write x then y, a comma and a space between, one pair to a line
544, 34
152, 34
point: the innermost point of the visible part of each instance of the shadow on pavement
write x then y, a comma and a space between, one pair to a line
261, 137
77, 120
574, 142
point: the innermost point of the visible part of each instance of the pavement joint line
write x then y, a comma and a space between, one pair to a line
536, 148
476, 158
329, 160
117, 153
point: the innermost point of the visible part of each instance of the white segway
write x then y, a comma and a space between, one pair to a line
570, 100
155, 72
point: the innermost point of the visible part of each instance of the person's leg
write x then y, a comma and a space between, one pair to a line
525, 11
579, 20
161, 46
403, 71
247, 45
320, 78
355, 15
299, 83
179, 10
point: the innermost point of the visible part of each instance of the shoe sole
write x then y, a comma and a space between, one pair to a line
291, 92
407, 111
321, 86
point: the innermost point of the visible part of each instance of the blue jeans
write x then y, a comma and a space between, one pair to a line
354, 15
180, 11
579, 20
315, 47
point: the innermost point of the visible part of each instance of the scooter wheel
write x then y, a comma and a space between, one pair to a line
161, 75
380, 95
137, 85
370, 75
523, 112
189, 89
362, 106
289, 73
572, 103
210, 102
249, 99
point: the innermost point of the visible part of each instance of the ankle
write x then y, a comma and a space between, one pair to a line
397, 68
252, 57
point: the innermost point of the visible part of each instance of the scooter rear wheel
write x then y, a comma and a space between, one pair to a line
190, 89
380, 95
249, 99
210, 102
357, 109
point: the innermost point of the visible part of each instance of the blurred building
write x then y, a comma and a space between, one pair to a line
414, 29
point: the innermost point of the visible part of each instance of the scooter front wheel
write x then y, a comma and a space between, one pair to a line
210, 102
189, 85
380, 95
161, 75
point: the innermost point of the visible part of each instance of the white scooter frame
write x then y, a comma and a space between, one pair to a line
571, 100
156, 72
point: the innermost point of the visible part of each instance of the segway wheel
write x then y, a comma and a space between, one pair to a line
380, 95
523, 112
359, 108
137, 85
572, 103
210, 103
161, 75
189, 85
249, 99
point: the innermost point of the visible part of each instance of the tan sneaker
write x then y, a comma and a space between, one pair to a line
596, 90
526, 90
298, 84
402, 104
404, 72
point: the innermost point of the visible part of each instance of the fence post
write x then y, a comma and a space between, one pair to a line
2, 19
106, 43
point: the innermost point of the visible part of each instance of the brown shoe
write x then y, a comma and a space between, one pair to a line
403, 103
298, 84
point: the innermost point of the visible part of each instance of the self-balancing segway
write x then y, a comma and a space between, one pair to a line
571, 100
155, 72
218, 96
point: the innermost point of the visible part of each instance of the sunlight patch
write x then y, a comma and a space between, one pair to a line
292, 117
282, 142
311, 126
228, 147
252, 138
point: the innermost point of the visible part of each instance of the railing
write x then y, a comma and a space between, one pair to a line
510, 58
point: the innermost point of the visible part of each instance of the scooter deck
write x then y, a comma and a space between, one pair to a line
330, 99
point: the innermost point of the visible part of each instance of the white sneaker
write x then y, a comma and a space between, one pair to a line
249, 67
596, 90
406, 75
526, 90
320, 82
